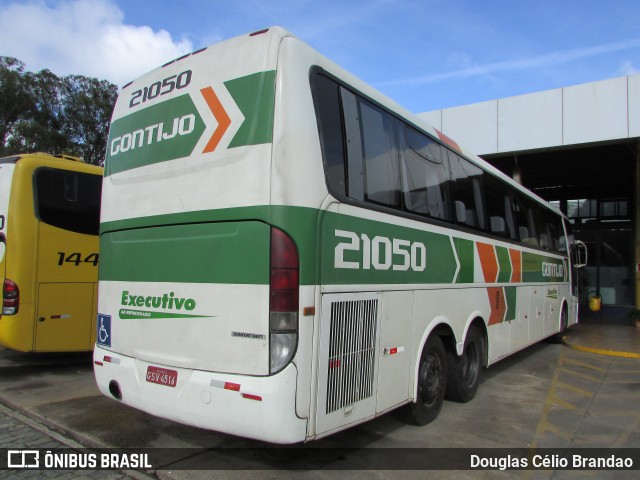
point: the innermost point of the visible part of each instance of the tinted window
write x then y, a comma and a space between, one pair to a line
326, 97
425, 176
68, 200
372, 157
525, 222
382, 170
467, 188
556, 233
499, 210
545, 239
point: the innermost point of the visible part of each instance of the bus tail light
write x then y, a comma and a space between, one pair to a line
283, 300
10, 297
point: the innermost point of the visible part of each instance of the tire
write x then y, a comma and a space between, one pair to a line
432, 383
564, 325
464, 371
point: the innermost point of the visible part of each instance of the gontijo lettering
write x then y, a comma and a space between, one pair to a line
168, 301
152, 134
552, 270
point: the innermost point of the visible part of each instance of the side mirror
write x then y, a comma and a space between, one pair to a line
581, 254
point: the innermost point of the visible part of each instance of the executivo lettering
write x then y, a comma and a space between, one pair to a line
167, 305
167, 301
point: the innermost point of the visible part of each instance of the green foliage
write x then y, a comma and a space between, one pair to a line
41, 112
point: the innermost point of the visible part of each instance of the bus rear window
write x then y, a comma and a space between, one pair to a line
68, 200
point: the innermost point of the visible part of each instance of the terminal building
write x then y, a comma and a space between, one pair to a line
579, 148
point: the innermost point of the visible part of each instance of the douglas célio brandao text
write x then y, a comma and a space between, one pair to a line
566, 461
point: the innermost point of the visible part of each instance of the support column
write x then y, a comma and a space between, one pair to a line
636, 233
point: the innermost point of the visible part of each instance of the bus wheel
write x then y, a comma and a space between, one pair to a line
432, 383
564, 324
464, 372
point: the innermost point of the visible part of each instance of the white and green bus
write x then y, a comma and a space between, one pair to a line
285, 252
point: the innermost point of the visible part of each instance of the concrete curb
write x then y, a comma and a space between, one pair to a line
599, 351
63, 435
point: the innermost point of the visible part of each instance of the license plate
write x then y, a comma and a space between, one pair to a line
162, 376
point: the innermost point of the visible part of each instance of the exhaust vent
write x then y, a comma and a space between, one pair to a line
350, 375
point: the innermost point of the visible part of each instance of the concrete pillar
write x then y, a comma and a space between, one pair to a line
636, 194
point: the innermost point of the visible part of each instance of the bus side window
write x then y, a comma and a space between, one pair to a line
499, 210
425, 176
556, 235
380, 154
326, 96
353, 133
542, 220
561, 239
525, 221
561, 242
467, 188
511, 221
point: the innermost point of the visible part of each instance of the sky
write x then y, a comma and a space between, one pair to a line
424, 54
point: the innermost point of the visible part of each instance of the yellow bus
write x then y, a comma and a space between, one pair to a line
49, 221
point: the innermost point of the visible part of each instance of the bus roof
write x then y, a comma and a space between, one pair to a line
15, 158
42, 155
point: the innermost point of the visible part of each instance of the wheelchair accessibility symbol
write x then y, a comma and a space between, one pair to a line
104, 330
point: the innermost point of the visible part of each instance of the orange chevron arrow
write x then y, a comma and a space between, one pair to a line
488, 261
498, 305
221, 116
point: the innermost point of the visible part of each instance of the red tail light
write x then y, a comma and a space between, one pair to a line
284, 273
284, 292
10, 297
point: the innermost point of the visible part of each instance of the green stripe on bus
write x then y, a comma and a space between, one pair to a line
195, 253
373, 252
299, 222
171, 129
542, 268
511, 294
255, 97
158, 133
465, 249
504, 262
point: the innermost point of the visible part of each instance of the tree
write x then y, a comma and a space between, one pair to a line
87, 104
43, 112
14, 98
40, 125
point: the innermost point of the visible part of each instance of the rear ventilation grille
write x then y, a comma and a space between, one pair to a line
351, 353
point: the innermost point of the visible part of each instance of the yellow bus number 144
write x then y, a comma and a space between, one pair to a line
76, 258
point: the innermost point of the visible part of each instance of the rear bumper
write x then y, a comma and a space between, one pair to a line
262, 408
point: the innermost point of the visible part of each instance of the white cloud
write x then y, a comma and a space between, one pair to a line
554, 58
627, 68
87, 37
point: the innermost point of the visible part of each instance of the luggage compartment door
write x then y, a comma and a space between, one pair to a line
347, 371
64, 317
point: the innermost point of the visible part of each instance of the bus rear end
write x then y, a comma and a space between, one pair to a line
49, 216
198, 290
10, 290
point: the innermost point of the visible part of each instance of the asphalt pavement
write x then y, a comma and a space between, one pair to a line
585, 393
